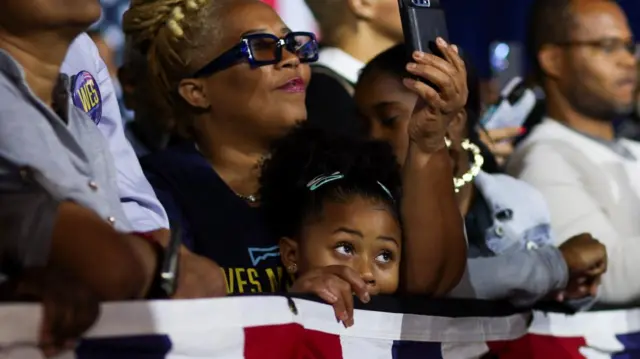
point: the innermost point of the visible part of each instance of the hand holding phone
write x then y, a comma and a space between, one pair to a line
439, 103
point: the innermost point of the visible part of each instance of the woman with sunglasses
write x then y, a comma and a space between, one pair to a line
230, 78
226, 78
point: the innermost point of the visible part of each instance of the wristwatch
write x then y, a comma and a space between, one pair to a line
165, 280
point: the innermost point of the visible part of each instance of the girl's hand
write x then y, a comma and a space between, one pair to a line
335, 285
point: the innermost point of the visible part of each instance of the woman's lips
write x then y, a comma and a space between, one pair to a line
295, 85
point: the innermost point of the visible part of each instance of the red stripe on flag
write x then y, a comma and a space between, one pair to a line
319, 345
533, 346
273, 341
290, 341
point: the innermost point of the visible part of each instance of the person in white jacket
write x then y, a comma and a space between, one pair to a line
584, 52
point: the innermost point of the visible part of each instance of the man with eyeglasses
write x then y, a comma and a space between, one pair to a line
584, 55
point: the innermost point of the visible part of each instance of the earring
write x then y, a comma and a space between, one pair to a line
292, 268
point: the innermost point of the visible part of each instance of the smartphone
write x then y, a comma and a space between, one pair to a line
422, 22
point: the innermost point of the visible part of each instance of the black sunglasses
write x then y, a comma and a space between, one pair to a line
264, 49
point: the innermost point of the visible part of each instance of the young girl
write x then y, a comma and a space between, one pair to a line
334, 201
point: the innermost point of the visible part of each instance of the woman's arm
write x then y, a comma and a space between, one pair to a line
115, 266
37, 229
434, 253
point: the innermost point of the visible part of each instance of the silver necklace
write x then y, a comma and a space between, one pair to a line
252, 198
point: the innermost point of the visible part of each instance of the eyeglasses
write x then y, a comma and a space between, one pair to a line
264, 49
608, 46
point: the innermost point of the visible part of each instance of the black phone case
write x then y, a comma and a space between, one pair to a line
422, 22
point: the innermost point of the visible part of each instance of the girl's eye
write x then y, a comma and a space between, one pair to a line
345, 248
384, 257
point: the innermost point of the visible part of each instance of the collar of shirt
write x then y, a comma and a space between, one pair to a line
14, 71
11, 68
341, 63
614, 145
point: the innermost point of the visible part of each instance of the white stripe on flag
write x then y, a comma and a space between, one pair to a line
205, 327
598, 329
586, 323
601, 346
423, 328
24, 320
214, 315
359, 348
197, 315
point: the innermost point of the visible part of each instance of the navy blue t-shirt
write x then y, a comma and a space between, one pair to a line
216, 223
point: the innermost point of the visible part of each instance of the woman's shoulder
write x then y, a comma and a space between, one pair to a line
179, 166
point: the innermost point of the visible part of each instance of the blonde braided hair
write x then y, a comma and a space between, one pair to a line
169, 35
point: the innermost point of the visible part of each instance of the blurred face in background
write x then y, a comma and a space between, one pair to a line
599, 73
386, 19
21, 17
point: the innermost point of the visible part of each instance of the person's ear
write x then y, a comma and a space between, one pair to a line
193, 92
289, 254
362, 9
550, 58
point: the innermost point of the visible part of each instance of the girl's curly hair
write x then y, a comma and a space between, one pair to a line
370, 171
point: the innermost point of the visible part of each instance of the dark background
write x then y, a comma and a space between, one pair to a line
475, 24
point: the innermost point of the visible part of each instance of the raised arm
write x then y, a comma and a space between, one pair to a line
434, 253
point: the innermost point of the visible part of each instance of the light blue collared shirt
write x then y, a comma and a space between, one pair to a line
141, 206
525, 266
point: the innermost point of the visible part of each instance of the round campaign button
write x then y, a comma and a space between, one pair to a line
86, 95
